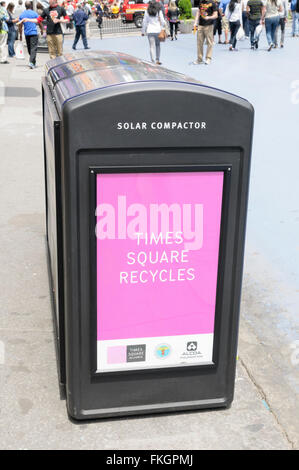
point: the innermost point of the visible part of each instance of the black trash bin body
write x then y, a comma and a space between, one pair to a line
147, 175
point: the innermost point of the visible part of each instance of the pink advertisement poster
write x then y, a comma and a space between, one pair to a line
157, 264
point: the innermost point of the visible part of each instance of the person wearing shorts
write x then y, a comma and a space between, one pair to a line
224, 20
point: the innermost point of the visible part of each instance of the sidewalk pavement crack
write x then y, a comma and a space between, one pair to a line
264, 397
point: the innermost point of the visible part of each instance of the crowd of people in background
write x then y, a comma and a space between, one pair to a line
233, 19
243, 19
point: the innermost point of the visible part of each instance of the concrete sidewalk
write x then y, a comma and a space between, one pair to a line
264, 414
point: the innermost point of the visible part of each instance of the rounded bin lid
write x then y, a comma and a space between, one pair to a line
75, 74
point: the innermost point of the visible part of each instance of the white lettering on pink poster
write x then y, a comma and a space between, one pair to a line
157, 264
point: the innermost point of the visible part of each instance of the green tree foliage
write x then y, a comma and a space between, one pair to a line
185, 7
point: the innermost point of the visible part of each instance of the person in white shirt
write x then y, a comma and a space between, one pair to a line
282, 23
153, 23
273, 9
88, 12
233, 13
20, 7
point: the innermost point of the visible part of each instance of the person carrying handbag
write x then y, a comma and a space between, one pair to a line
233, 13
153, 25
256, 12
173, 17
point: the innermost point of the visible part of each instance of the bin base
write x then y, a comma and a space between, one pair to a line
165, 408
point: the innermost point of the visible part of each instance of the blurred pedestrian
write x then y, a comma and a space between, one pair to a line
99, 15
218, 23
55, 15
3, 35
19, 8
245, 18
295, 18
204, 23
282, 23
161, 7
273, 8
12, 32
233, 13
153, 23
224, 20
87, 11
70, 11
173, 17
80, 19
256, 12
29, 20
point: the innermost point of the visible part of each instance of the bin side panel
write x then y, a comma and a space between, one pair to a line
52, 155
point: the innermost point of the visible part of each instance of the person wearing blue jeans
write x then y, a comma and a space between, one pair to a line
272, 17
295, 17
282, 23
233, 13
80, 19
256, 11
12, 32
271, 26
295, 25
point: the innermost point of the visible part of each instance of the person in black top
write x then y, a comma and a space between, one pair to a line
55, 15
204, 23
99, 15
218, 23
173, 17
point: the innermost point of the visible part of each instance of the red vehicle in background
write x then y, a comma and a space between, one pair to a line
133, 11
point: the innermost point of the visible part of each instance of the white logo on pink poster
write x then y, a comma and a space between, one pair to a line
157, 263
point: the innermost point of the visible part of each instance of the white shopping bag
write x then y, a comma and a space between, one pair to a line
240, 34
19, 50
258, 31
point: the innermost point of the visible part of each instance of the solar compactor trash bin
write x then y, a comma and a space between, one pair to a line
147, 175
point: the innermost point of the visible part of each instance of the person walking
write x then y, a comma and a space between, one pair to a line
54, 15
273, 9
218, 23
161, 7
224, 22
80, 19
295, 18
256, 12
233, 13
29, 20
70, 11
88, 12
152, 25
12, 32
99, 15
173, 17
282, 24
19, 8
3, 35
204, 23
245, 18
